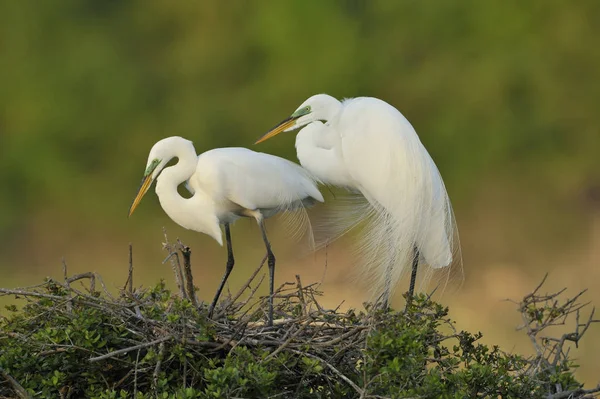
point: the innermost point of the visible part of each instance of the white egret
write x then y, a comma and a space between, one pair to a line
366, 144
226, 184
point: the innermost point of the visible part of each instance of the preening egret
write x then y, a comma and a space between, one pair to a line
226, 184
367, 145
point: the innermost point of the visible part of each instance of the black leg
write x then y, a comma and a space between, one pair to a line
413, 276
271, 263
228, 269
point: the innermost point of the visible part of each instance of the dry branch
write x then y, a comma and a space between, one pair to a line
173, 258
19, 390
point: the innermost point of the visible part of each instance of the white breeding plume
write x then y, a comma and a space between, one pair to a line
367, 145
226, 184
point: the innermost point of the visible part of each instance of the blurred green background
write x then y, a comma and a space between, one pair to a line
504, 94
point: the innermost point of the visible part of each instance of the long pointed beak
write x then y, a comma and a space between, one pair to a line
146, 183
283, 125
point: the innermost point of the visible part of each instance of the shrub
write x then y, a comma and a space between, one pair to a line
66, 342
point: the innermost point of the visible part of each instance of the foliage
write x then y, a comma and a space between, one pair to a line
151, 343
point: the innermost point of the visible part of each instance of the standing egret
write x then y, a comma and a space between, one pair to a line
366, 144
226, 184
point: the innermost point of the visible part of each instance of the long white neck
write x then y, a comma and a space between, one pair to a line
195, 213
317, 148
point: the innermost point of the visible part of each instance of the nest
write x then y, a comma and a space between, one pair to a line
158, 320
74, 338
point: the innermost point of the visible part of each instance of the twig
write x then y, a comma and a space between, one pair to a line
187, 271
341, 338
135, 374
326, 263
64, 268
97, 303
252, 293
541, 311
24, 293
131, 348
175, 265
69, 305
301, 294
574, 393
53, 351
129, 282
125, 377
19, 390
336, 371
81, 276
286, 343
161, 352
245, 286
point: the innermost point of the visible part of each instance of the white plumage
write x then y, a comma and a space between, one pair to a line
226, 184
368, 146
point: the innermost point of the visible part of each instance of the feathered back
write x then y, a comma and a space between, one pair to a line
255, 180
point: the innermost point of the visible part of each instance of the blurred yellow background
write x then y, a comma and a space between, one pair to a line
504, 95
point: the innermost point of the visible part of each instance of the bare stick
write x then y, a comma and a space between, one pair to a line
135, 374
187, 271
19, 390
161, 352
185, 360
129, 282
286, 343
64, 267
245, 286
336, 371
131, 348
24, 293
89, 275
65, 275
575, 393
541, 311
301, 294
125, 377
252, 277
175, 265
106, 291
240, 305
326, 262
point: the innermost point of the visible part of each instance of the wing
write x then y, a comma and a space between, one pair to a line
254, 180
384, 156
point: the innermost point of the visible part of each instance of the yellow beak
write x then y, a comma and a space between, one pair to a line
146, 183
285, 124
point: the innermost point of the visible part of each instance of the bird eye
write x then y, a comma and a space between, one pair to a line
301, 111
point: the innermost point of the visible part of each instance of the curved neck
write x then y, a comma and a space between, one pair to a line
195, 213
324, 108
317, 149
182, 170
330, 111
170, 178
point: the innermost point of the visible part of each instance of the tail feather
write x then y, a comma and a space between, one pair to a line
298, 227
386, 241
